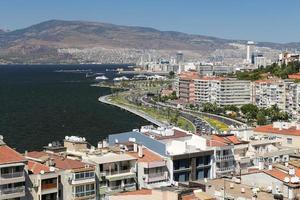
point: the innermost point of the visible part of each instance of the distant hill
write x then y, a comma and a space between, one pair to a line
39, 43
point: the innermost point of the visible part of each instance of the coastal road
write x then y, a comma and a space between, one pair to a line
104, 99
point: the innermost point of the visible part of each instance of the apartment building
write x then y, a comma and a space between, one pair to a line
223, 154
116, 172
280, 180
152, 168
77, 179
188, 157
267, 93
222, 91
289, 132
42, 182
13, 169
293, 99
186, 86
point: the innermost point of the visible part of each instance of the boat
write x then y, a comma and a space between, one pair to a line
101, 78
122, 78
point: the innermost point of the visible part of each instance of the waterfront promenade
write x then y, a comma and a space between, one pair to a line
104, 99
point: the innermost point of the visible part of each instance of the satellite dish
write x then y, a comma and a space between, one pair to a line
295, 179
286, 180
51, 169
42, 172
1, 137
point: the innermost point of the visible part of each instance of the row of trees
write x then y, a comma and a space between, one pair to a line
281, 71
160, 98
251, 113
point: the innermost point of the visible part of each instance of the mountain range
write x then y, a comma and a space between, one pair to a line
40, 43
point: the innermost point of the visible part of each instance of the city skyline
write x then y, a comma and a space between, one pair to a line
253, 20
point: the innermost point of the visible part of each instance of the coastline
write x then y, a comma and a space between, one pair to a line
103, 99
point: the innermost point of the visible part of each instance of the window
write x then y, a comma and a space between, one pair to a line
181, 177
289, 140
84, 190
84, 175
146, 171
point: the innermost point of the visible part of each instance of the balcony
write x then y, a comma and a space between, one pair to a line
182, 169
154, 177
47, 186
14, 192
129, 186
224, 158
83, 177
120, 174
225, 169
84, 194
108, 173
13, 175
125, 187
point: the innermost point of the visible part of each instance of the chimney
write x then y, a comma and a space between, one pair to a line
135, 147
140, 153
270, 167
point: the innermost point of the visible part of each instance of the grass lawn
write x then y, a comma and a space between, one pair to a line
217, 124
158, 114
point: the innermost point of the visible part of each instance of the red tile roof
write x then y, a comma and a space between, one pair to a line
281, 175
294, 76
60, 162
189, 75
270, 129
223, 140
276, 173
8, 155
215, 143
212, 78
149, 156
36, 167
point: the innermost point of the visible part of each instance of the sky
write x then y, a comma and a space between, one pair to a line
258, 20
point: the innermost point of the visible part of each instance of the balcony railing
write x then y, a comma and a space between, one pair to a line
12, 175
155, 175
223, 158
225, 169
47, 186
117, 187
86, 175
13, 190
84, 193
129, 185
108, 173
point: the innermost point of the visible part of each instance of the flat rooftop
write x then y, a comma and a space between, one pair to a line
110, 158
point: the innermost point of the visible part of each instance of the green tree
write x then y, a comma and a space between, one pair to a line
171, 74
249, 110
261, 118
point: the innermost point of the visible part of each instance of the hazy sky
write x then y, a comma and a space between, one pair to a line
259, 20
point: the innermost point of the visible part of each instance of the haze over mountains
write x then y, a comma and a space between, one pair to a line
58, 41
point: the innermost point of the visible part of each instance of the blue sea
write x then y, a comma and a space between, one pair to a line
44, 103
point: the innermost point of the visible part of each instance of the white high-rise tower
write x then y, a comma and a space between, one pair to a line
249, 45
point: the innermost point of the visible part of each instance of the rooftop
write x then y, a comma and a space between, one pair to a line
189, 75
9, 155
148, 156
37, 168
110, 158
224, 140
284, 130
61, 162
